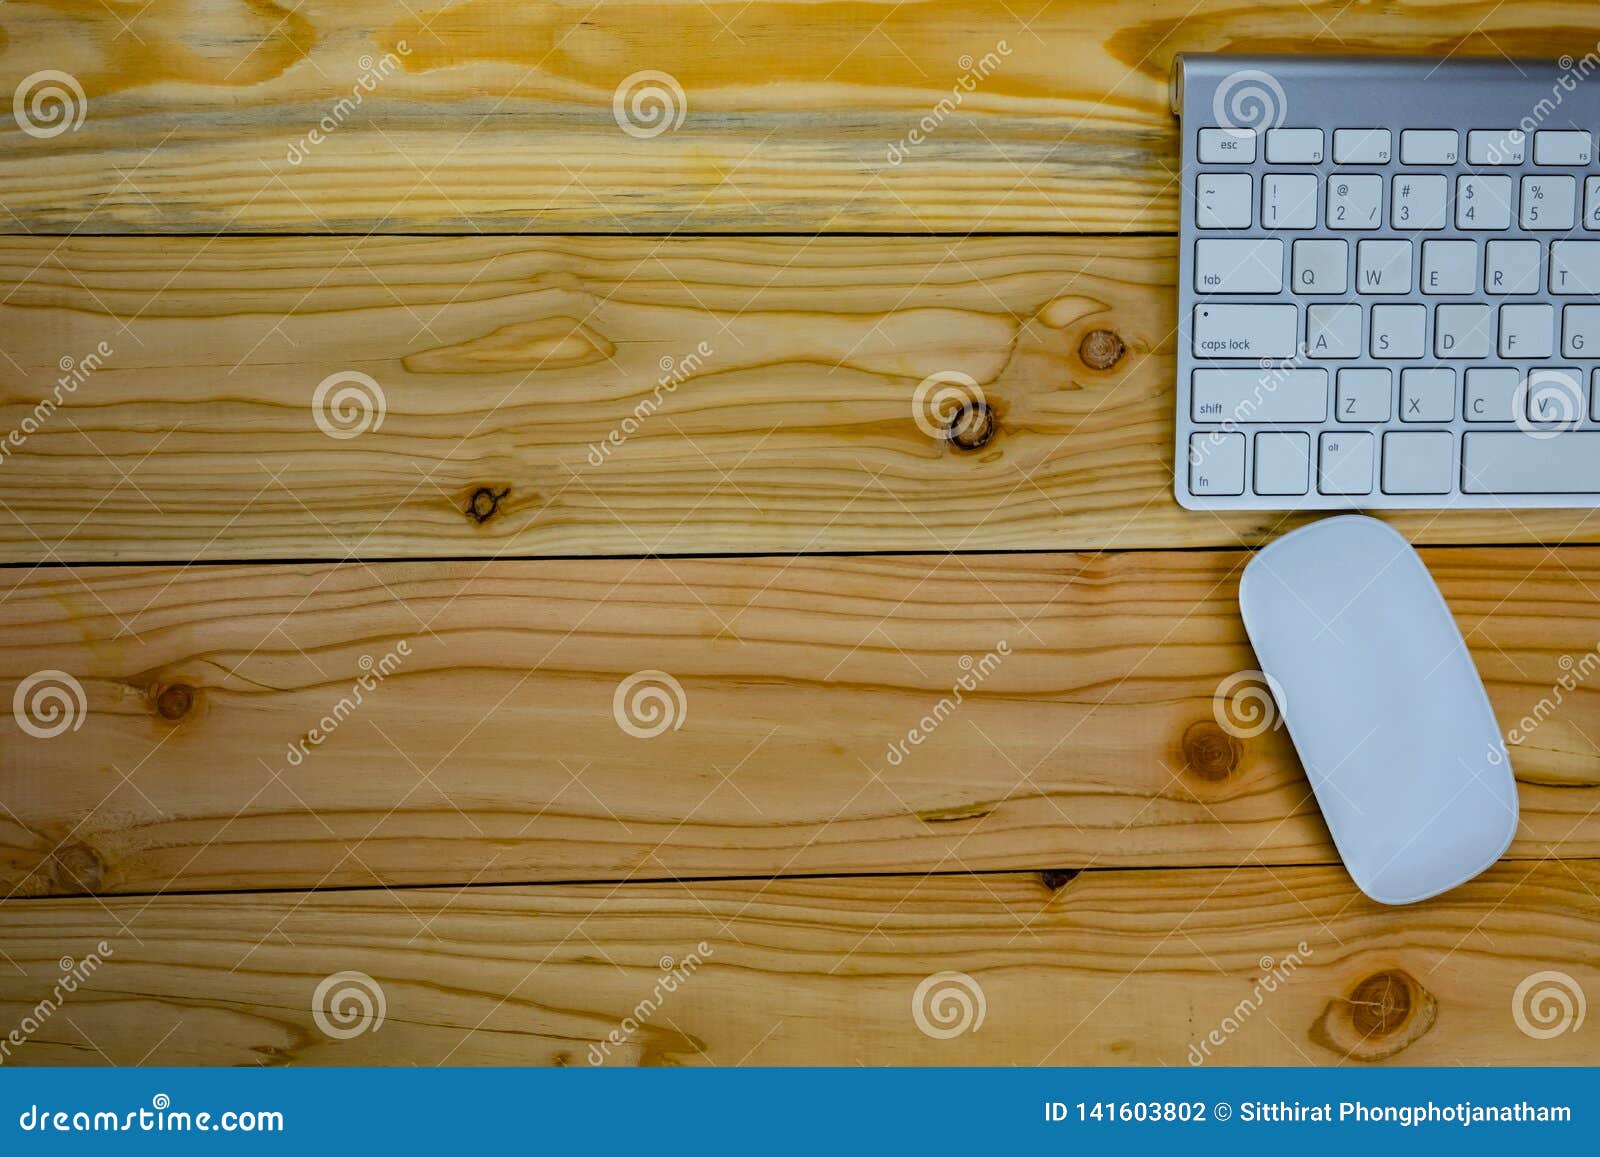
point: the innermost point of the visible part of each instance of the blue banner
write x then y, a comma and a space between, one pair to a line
756, 1111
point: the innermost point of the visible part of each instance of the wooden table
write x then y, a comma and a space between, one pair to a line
339, 683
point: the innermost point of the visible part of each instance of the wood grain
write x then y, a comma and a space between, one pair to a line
579, 396
491, 749
497, 115
1107, 968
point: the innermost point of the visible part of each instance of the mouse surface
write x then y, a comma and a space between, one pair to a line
1384, 706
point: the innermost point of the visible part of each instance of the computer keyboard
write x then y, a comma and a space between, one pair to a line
1388, 283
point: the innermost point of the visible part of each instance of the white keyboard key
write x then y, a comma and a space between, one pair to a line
1591, 203
1561, 147
1227, 146
1333, 331
1417, 201
1491, 394
1427, 395
1496, 147
1289, 201
1548, 202
1527, 331
1419, 462
1361, 146
1216, 463
1463, 331
1294, 146
1429, 146
1516, 463
1222, 201
1575, 267
1256, 395
1320, 266
1448, 266
1363, 395
1483, 202
1245, 331
1511, 267
1355, 201
1344, 462
1385, 266
1283, 463
1245, 265
1580, 331
1398, 330
1554, 397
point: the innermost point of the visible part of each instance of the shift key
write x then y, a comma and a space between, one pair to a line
1245, 331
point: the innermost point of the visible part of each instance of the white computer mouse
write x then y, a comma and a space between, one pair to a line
1383, 703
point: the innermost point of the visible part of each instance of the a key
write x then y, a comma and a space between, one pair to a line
1320, 266
1591, 203
1553, 396
1575, 267
1361, 146
1427, 395
1428, 146
1283, 463
1294, 146
1561, 147
1483, 203
1511, 267
1363, 395
1491, 394
1448, 266
1495, 147
1344, 462
1243, 265
1580, 331
1511, 462
1418, 462
1289, 201
1355, 202
1417, 201
1527, 331
1397, 330
1384, 266
1547, 202
1216, 463
1222, 201
1246, 396
1463, 331
1333, 331
1245, 331
1227, 146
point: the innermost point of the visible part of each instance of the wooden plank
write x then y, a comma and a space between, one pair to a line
580, 396
819, 732
817, 971
500, 115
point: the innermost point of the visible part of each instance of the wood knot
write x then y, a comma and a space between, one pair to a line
972, 426
485, 503
1210, 752
1057, 878
76, 867
1383, 1014
175, 701
1101, 349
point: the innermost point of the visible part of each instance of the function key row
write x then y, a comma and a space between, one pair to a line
1299, 146
1420, 201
